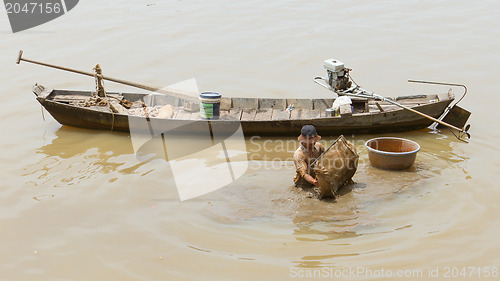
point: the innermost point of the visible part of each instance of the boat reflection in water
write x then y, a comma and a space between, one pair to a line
75, 156
201, 163
197, 164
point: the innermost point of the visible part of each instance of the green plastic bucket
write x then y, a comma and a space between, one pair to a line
210, 105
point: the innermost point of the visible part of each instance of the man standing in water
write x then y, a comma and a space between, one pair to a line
303, 157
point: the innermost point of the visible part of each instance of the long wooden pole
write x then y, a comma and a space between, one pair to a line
167, 91
419, 113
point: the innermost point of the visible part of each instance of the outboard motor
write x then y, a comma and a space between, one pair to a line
337, 75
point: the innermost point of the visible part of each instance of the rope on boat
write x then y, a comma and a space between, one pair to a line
100, 98
101, 92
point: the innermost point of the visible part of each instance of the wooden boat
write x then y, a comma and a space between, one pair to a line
257, 116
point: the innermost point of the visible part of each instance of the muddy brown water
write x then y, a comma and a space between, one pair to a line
77, 204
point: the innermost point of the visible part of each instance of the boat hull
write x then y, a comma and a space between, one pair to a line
396, 120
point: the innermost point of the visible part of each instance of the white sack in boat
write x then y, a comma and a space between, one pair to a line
341, 101
166, 111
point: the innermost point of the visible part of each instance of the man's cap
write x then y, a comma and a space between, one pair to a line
308, 131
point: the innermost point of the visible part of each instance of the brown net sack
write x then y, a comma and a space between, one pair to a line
335, 168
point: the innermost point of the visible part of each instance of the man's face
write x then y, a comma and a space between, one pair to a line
309, 143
